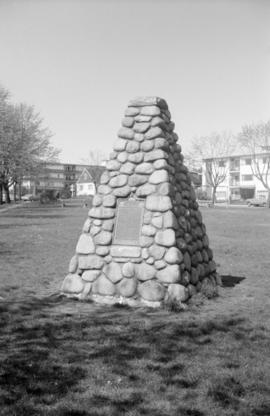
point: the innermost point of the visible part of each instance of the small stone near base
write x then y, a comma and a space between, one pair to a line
145, 272
113, 272
170, 274
178, 292
127, 287
105, 286
72, 283
90, 275
151, 291
73, 264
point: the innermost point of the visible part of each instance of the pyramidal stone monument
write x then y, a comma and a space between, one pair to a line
144, 240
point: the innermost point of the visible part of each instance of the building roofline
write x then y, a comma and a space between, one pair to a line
237, 155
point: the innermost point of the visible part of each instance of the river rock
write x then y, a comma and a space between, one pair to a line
145, 272
157, 251
151, 291
90, 262
118, 181
158, 203
144, 168
133, 147
178, 292
73, 264
159, 176
113, 272
90, 275
105, 286
85, 245
170, 274
126, 133
127, 287
127, 168
165, 238
72, 283
120, 145
128, 122
128, 269
173, 256
101, 212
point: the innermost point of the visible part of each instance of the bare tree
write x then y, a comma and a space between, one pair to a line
255, 138
95, 161
213, 150
24, 143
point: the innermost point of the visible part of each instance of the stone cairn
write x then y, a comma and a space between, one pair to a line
168, 255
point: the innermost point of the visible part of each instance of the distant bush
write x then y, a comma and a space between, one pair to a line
201, 194
65, 193
48, 196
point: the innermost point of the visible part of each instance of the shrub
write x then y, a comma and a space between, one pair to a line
209, 289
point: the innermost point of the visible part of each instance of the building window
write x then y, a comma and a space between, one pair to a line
248, 162
221, 164
265, 160
247, 177
80, 187
234, 164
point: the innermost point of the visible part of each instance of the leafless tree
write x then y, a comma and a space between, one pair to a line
24, 143
213, 150
95, 160
255, 138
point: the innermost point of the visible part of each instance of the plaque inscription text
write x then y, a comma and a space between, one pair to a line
129, 217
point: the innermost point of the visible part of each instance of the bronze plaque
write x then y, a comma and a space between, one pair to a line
128, 224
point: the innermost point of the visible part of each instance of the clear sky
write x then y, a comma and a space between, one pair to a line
79, 62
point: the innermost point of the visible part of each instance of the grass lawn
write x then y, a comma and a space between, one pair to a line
61, 357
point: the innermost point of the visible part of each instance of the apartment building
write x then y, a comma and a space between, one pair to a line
57, 176
239, 181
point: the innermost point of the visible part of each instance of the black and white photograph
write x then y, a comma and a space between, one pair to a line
134, 207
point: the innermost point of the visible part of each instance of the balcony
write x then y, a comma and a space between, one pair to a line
234, 183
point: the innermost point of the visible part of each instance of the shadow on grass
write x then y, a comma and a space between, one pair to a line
231, 281
52, 356
38, 215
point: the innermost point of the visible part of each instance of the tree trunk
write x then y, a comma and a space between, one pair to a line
20, 190
1, 194
15, 192
268, 199
6, 190
214, 195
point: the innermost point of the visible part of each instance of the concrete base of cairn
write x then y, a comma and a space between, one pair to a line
172, 259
